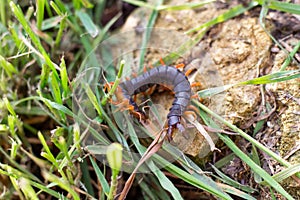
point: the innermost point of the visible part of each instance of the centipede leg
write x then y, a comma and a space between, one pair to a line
196, 84
196, 96
188, 72
193, 113
107, 87
180, 66
162, 61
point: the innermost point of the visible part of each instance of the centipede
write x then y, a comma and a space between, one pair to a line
167, 76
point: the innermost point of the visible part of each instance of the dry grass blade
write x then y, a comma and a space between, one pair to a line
203, 132
152, 149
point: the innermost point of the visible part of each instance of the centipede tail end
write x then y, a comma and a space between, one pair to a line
170, 133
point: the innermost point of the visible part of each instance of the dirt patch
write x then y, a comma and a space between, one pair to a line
288, 99
240, 49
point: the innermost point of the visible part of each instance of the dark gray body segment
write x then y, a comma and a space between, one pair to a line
164, 75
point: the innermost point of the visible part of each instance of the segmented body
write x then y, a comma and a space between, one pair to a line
164, 75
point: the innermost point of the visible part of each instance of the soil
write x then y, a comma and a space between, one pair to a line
238, 50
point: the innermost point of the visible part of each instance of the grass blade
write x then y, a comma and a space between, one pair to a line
233, 12
243, 134
285, 7
257, 169
88, 23
184, 6
8, 67
100, 176
273, 78
146, 36
40, 5
280, 176
21, 18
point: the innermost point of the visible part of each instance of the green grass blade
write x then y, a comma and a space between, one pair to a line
100, 176
213, 91
50, 23
267, 79
184, 6
106, 28
288, 60
61, 29
285, 7
192, 180
233, 12
147, 35
236, 192
93, 99
21, 18
56, 93
88, 23
64, 78
27, 189
3, 11
43, 188
224, 178
55, 89
48, 154
61, 183
257, 169
86, 3
40, 5
273, 78
243, 134
8, 67
285, 173
140, 4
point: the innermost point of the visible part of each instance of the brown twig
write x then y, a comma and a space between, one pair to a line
152, 149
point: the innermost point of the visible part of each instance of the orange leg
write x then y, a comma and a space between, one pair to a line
107, 86
134, 74
150, 90
196, 96
145, 68
196, 84
192, 112
138, 115
135, 98
180, 66
188, 72
162, 61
